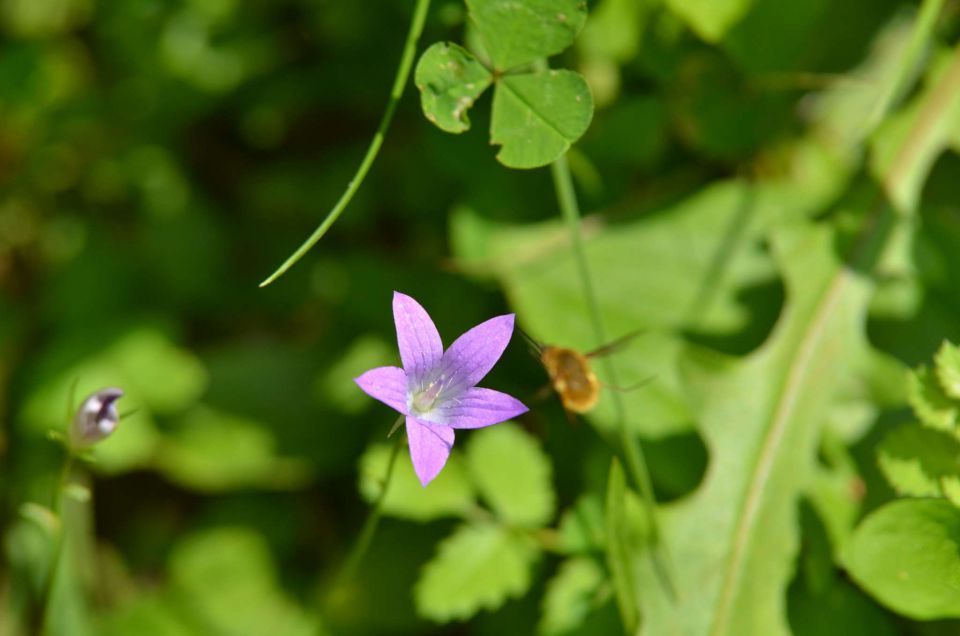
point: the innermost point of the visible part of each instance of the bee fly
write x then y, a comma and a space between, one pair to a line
571, 374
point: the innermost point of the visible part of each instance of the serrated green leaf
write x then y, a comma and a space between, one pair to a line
621, 548
928, 401
450, 79
570, 595
947, 367
537, 116
478, 567
907, 556
450, 494
518, 33
225, 580
915, 458
513, 475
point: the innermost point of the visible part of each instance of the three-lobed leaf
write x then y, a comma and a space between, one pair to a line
518, 33
537, 116
478, 567
907, 555
450, 79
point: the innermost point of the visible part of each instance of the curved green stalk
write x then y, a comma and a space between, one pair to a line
400, 80
54, 569
633, 454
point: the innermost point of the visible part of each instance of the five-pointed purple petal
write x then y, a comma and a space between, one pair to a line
436, 390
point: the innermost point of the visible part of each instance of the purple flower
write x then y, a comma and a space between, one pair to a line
436, 389
96, 418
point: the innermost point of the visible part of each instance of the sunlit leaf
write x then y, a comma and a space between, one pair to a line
536, 116
517, 33
928, 401
450, 494
947, 367
513, 475
915, 459
450, 79
711, 19
907, 555
478, 567
571, 594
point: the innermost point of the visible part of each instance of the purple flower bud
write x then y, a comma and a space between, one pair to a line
96, 418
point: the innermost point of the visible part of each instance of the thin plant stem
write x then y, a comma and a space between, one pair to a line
58, 507
399, 82
360, 548
630, 447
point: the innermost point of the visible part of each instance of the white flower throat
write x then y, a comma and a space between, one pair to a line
424, 400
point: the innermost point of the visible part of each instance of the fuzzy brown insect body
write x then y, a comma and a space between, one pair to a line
572, 378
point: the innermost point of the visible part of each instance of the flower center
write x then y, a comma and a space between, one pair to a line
425, 400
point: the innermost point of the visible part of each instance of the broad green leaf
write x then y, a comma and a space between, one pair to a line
907, 556
733, 542
518, 33
210, 450
947, 367
478, 567
537, 116
915, 459
570, 595
928, 401
622, 548
450, 79
710, 19
226, 583
513, 475
450, 494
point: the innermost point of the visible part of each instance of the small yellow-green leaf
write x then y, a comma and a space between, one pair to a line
513, 475
929, 402
907, 555
478, 567
449, 494
581, 527
517, 33
570, 595
711, 19
537, 116
948, 369
950, 485
450, 79
915, 458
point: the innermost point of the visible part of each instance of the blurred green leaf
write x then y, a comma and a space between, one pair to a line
516, 34
225, 582
513, 475
478, 567
907, 556
536, 116
947, 367
928, 401
335, 386
582, 527
915, 459
213, 451
570, 595
450, 79
711, 19
450, 494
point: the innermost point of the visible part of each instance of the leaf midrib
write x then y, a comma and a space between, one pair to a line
502, 83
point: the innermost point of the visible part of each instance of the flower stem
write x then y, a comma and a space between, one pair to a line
399, 81
633, 454
58, 508
360, 548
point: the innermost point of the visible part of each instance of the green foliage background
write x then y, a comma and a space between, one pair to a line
772, 197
